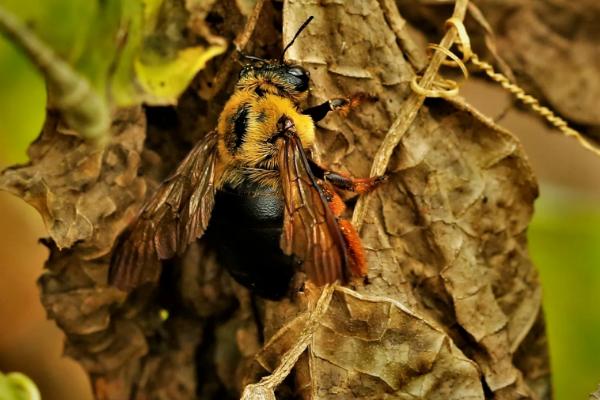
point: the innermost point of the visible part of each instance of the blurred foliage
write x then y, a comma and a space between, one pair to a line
100, 54
16, 386
22, 102
564, 243
121, 46
564, 236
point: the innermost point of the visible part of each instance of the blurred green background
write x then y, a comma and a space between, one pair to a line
564, 244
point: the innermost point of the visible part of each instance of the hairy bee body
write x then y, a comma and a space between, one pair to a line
250, 188
245, 232
246, 223
246, 129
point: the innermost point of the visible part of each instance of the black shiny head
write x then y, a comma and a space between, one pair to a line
294, 76
274, 76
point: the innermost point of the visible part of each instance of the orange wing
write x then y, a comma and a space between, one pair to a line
310, 230
176, 215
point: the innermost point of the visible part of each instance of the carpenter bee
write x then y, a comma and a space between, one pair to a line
271, 208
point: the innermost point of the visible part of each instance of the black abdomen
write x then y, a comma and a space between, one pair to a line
245, 228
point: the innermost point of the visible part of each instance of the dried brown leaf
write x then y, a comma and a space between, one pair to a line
595, 395
445, 236
369, 347
553, 47
86, 196
451, 308
77, 186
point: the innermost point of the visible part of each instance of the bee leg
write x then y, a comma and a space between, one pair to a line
335, 202
357, 185
319, 112
343, 105
356, 254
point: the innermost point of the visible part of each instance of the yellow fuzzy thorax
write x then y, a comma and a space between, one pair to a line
262, 116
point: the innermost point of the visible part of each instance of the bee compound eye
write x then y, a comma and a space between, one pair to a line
297, 71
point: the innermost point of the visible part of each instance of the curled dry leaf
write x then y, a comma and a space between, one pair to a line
451, 308
445, 236
550, 45
86, 196
78, 187
371, 347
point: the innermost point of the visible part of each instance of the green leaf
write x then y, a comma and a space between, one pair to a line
16, 386
99, 55
21, 104
154, 67
163, 82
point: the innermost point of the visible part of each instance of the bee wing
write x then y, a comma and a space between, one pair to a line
310, 230
177, 214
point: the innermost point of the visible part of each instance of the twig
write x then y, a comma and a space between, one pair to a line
415, 55
408, 113
240, 43
535, 105
244, 36
265, 388
516, 90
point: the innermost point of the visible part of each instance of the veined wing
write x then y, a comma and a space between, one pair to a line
176, 214
310, 230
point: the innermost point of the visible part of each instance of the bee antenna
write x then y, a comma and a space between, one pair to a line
296, 35
249, 57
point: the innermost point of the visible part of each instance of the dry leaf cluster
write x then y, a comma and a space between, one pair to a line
452, 307
550, 47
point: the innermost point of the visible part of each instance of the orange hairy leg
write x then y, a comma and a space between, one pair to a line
341, 181
335, 202
357, 185
356, 254
351, 102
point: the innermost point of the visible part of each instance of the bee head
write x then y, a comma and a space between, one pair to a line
275, 76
